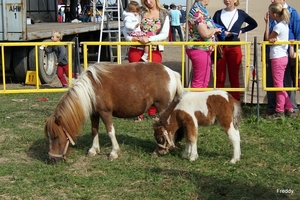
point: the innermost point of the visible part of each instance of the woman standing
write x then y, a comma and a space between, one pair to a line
201, 28
232, 19
155, 21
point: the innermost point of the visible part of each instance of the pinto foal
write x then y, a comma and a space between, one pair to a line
183, 117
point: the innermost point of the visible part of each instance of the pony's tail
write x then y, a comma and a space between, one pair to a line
237, 113
180, 89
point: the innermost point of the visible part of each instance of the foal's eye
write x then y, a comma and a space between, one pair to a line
160, 140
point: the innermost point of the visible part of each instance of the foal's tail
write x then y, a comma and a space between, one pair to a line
179, 89
237, 113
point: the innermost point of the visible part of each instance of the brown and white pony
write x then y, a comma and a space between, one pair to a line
183, 117
104, 91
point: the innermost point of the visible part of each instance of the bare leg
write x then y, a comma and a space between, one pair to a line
234, 137
95, 147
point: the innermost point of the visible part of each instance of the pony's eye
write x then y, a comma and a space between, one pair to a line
160, 140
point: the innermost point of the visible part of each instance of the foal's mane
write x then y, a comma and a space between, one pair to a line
76, 106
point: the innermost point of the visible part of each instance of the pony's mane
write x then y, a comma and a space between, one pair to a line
76, 106
166, 114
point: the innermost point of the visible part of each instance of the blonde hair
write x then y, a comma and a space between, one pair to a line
278, 9
158, 5
133, 6
237, 3
57, 34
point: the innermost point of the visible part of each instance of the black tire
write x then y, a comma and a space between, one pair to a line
46, 63
20, 62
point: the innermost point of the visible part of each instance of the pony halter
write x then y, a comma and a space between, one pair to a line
69, 139
167, 141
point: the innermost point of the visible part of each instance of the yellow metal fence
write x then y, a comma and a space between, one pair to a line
264, 67
183, 61
85, 45
37, 89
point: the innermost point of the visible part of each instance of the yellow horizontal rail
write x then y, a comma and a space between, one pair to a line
264, 66
37, 88
182, 44
85, 45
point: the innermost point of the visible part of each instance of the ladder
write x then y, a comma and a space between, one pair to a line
113, 34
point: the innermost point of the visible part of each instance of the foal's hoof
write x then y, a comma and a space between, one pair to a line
234, 160
91, 154
155, 154
113, 156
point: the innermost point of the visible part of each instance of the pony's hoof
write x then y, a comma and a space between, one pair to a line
234, 160
155, 154
112, 156
91, 154
193, 158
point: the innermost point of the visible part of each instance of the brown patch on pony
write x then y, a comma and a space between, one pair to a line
220, 110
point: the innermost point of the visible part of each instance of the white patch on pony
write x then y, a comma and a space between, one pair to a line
85, 92
175, 83
234, 137
95, 147
115, 146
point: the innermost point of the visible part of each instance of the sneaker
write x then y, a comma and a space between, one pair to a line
276, 115
291, 114
75, 21
144, 58
138, 119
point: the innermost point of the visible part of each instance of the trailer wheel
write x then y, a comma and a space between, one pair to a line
46, 63
20, 62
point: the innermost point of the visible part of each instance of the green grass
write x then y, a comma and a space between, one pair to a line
270, 160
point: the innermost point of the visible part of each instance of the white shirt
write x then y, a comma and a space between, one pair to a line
130, 21
229, 18
278, 51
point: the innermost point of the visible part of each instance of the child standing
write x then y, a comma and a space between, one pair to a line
279, 58
62, 58
131, 19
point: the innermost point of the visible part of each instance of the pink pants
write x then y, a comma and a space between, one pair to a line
61, 70
232, 58
283, 101
201, 67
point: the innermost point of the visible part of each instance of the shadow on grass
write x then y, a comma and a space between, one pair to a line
39, 149
209, 187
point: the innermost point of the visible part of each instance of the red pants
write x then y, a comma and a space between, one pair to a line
61, 70
232, 59
134, 55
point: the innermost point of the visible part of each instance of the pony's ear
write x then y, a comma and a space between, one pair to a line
58, 120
